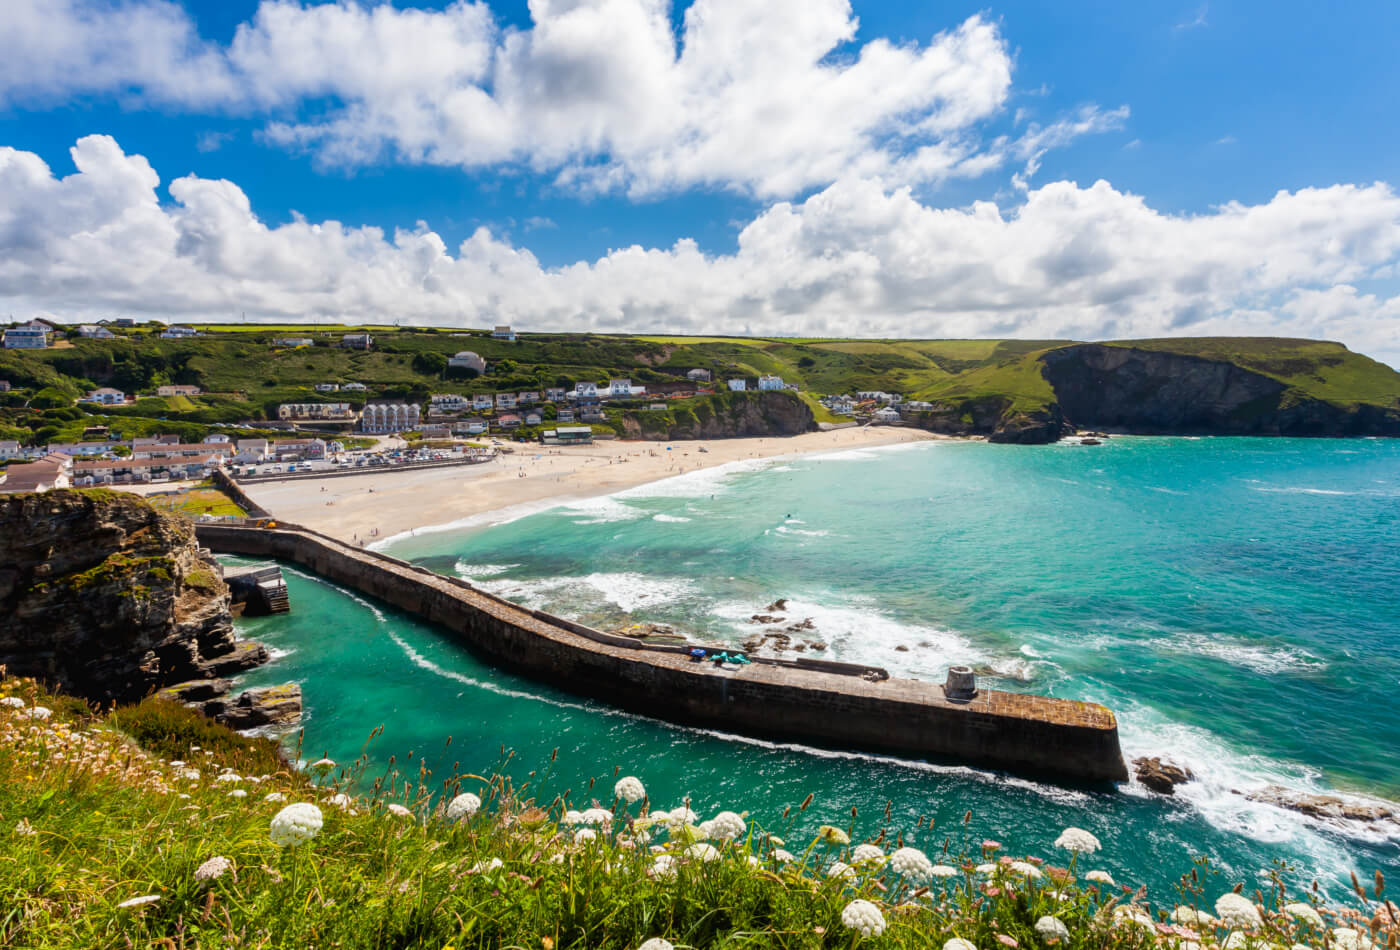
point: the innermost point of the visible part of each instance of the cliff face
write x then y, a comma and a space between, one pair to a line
1149, 391
724, 416
992, 417
107, 598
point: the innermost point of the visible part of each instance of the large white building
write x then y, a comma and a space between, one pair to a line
107, 396
467, 360
771, 383
738, 385
389, 417
26, 338
337, 411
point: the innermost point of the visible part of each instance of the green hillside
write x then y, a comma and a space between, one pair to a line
246, 374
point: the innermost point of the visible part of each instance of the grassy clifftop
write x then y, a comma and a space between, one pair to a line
155, 828
246, 372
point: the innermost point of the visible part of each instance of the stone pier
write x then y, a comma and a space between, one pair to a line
818, 702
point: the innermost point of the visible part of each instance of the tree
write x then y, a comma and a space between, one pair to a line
430, 364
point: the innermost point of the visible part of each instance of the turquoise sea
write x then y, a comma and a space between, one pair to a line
1235, 601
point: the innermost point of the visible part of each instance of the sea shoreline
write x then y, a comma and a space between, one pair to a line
375, 509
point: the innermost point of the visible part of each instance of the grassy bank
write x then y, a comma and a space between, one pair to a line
154, 828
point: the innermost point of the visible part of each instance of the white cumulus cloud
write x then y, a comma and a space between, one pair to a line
858, 258
771, 99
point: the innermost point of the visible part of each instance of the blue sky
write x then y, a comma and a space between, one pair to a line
588, 137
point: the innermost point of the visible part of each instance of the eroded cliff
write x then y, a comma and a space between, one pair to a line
106, 598
724, 416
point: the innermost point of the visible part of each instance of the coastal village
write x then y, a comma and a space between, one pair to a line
345, 425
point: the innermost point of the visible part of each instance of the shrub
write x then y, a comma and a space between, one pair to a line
170, 729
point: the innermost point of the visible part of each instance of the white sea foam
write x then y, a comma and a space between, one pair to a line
665, 517
628, 591
1251, 656
468, 571
1296, 490
817, 533
705, 481
497, 516
277, 653
601, 510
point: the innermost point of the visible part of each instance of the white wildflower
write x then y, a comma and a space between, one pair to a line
656, 943
177, 763
274, 797
1077, 840
841, 870
572, 817
833, 835
629, 788
1101, 877
1127, 914
783, 857
213, 869
481, 867
189, 774
986, 869
958, 943
1051, 929
1305, 913
1235, 941
680, 817
1344, 938
42, 712
663, 868
1191, 917
943, 870
322, 766
229, 777
341, 800
596, 816
296, 824
14, 702
1237, 911
140, 901
24, 829
398, 811
584, 834
1025, 869
238, 793
702, 852
863, 917
867, 852
726, 826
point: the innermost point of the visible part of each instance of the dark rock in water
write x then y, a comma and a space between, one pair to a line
245, 655
265, 706
105, 597
777, 606
766, 619
901, 649
818, 646
195, 691
1159, 776
1323, 806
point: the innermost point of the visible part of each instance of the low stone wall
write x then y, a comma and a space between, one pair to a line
816, 702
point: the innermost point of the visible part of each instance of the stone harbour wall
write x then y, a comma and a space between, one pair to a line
820, 703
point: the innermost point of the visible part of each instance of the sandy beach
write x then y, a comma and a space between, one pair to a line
371, 508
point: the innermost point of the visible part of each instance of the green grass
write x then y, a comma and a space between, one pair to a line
97, 814
197, 501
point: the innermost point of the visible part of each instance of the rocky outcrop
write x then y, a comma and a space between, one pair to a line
1156, 392
1161, 777
724, 416
993, 418
253, 708
1325, 807
108, 599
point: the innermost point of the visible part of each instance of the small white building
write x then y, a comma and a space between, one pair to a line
178, 333
90, 331
327, 387
467, 360
251, 451
357, 341
886, 414
448, 402
503, 333
216, 438
771, 383
533, 418
699, 375
294, 341
527, 398
505, 400
554, 395
586, 390
619, 387
107, 396
177, 390
354, 387
482, 401
738, 385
